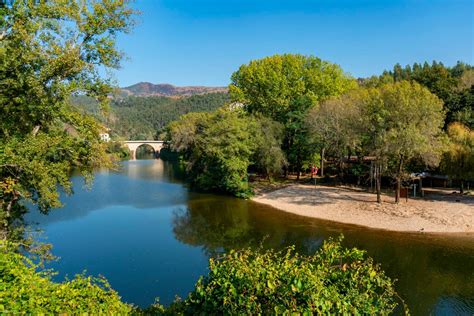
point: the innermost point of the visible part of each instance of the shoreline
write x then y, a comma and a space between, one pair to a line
434, 215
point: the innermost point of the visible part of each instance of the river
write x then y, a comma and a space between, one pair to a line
150, 236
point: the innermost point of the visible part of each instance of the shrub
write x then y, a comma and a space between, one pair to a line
23, 290
335, 280
118, 150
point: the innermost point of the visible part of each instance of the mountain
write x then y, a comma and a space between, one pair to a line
167, 90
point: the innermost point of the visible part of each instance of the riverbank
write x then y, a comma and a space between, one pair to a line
433, 214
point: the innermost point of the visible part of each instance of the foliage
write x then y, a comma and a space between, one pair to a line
284, 88
271, 85
138, 118
453, 85
268, 157
404, 122
394, 123
219, 147
458, 160
51, 50
118, 150
218, 150
336, 125
335, 280
24, 290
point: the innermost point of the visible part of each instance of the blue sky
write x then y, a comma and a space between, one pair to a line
201, 42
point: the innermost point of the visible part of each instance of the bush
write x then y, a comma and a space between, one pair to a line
335, 280
118, 150
23, 290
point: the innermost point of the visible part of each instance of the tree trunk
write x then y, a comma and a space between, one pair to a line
298, 166
421, 188
378, 180
322, 162
398, 179
340, 172
461, 189
397, 190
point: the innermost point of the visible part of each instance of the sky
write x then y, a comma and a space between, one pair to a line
202, 42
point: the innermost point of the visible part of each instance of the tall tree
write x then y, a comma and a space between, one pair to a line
450, 84
458, 161
49, 51
404, 121
284, 88
218, 148
268, 157
336, 126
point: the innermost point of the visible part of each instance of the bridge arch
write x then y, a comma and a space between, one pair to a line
134, 144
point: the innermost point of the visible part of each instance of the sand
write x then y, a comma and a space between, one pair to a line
432, 214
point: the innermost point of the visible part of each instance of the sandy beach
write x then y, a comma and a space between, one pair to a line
432, 214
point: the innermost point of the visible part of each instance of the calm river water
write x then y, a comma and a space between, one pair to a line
151, 237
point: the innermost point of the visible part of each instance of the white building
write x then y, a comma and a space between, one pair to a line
105, 137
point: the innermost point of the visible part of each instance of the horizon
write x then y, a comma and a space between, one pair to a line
204, 43
226, 86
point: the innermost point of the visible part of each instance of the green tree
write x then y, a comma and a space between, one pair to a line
335, 125
218, 148
404, 122
49, 51
269, 158
450, 84
284, 88
458, 160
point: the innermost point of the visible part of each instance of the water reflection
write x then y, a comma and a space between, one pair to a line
140, 183
143, 230
428, 268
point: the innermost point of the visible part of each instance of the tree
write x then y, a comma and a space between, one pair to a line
450, 84
218, 148
458, 160
404, 121
269, 158
51, 50
336, 125
284, 88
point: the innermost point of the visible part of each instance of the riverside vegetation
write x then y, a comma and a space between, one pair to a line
52, 52
319, 113
335, 280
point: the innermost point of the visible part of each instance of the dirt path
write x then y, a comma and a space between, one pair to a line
435, 214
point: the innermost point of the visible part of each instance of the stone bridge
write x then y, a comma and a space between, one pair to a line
134, 144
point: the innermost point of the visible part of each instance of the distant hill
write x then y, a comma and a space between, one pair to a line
144, 117
167, 90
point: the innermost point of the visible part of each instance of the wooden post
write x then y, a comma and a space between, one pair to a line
322, 162
421, 187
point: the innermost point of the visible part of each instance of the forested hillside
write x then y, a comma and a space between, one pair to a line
144, 117
146, 89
